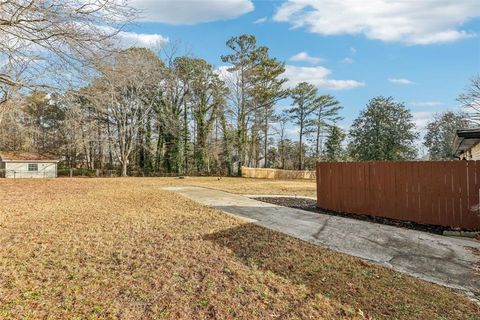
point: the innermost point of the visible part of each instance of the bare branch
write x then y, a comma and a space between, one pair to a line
64, 36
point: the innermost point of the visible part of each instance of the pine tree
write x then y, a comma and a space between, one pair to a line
326, 113
244, 58
267, 90
333, 146
305, 101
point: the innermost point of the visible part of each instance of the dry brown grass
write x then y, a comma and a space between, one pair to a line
125, 249
252, 186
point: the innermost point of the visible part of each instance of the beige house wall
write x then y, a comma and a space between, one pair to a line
475, 152
20, 170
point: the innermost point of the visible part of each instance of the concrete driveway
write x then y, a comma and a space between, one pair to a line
439, 259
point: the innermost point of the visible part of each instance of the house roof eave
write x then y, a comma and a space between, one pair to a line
29, 161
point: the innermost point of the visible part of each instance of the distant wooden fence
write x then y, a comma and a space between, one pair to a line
442, 193
265, 173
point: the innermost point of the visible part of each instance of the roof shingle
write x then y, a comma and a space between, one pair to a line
28, 156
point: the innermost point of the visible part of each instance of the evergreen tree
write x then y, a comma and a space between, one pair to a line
207, 93
326, 113
305, 101
441, 133
333, 146
268, 89
244, 59
383, 131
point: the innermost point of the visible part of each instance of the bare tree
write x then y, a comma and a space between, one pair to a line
125, 93
38, 33
8, 92
12, 130
4, 106
470, 100
282, 121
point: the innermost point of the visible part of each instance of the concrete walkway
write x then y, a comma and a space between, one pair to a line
439, 259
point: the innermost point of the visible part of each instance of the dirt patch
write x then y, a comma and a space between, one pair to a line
476, 253
311, 205
476, 268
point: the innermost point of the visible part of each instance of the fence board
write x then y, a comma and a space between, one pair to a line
268, 173
433, 192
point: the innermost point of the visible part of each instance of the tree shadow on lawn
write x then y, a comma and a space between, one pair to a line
377, 291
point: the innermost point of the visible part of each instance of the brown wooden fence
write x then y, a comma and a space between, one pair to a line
267, 173
442, 193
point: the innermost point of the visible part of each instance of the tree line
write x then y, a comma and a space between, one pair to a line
176, 115
135, 112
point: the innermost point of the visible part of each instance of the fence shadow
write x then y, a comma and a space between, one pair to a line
371, 288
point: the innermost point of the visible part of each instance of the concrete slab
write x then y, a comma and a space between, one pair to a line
439, 259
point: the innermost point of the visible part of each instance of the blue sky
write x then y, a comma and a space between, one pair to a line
422, 53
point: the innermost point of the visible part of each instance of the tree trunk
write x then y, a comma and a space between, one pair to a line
148, 145
317, 146
159, 149
200, 156
124, 168
265, 164
300, 149
185, 136
110, 153
241, 146
100, 145
226, 145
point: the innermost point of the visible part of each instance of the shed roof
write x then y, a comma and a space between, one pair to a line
26, 156
466, 139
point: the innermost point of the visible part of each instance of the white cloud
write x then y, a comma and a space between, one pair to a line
261, 20
224, 74
231, 78
410, 22
305, 57
222, 69
126, 39
425, 103
401, 81
317, 76
191, 11
422, 118
132, 39
347, 60
292, 133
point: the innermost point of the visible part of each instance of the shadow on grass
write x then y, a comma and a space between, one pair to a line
378, 291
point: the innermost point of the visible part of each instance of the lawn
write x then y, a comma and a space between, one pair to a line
253, 186
126, 249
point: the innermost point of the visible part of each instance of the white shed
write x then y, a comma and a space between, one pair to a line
27, 165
